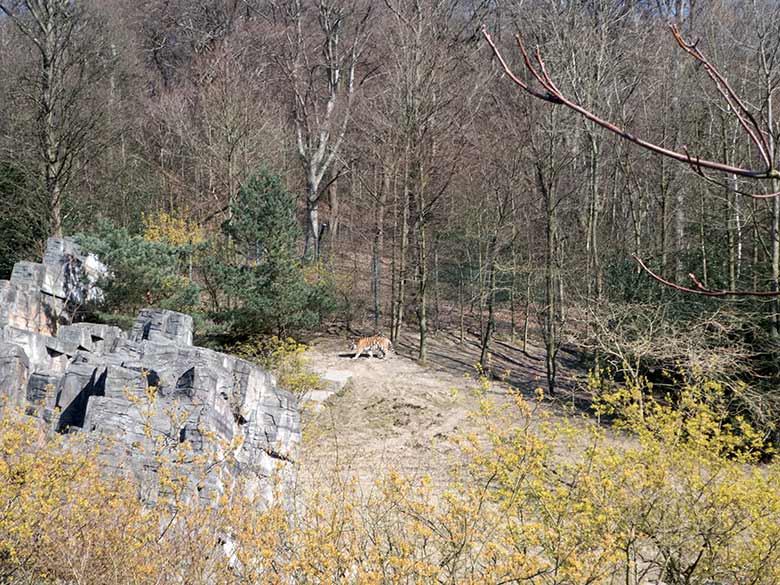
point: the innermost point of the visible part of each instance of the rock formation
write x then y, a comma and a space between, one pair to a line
143, 393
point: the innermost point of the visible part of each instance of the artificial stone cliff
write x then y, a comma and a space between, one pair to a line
141, 393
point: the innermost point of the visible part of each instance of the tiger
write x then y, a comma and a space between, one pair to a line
371, 344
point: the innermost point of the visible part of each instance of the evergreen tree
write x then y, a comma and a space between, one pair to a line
265, 275
141, 273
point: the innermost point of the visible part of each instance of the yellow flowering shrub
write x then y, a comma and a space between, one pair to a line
171, 229
285, 357
671, 493
62, 520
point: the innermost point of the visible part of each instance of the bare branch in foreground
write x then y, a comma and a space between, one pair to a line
552, 94
700, 288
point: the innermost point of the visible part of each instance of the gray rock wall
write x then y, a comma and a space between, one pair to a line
143, 394
40, 297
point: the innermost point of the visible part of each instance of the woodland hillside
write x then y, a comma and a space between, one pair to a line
431, 191
575, 202
428, 190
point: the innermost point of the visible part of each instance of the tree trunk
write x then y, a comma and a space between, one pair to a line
549, 299
732, 256
756, 260
393, 263
311, 250
422, 261
591, 240
398, 309
462, 307
550, 285
664, 221
513, 284
52, 160
679, 235
481, 281
775, 318
703, 241
512, 301
526, 317
490, 326
774, 327
378, 244
335, 214
436, 292
422, 309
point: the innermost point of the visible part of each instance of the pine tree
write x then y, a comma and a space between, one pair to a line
265, 275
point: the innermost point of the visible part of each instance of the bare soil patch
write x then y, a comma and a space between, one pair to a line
397, 414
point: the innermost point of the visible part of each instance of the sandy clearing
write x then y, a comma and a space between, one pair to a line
395, 414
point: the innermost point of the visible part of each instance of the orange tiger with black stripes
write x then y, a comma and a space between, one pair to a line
371, 344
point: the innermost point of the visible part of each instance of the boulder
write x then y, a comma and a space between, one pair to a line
162, 326
40, 297
23, 306
14, 373
91, 337
43, 351
141, 394
42, 395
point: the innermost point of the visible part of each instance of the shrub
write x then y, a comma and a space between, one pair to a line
141, 272
675, 496
259, 268
172, 230
286, 358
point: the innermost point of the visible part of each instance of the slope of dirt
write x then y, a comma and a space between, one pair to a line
396, 414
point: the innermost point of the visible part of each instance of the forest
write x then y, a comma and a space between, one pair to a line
417, 186
591, 177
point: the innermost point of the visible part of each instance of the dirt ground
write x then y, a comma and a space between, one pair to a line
395, 414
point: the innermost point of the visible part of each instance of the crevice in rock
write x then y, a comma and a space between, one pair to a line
74, 413
186, 383
53, 353
273, 453
152, 378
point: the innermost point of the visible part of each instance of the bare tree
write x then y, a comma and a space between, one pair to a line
323, 43
71, 59
496, 189
205, 136
757, 122
430, 110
